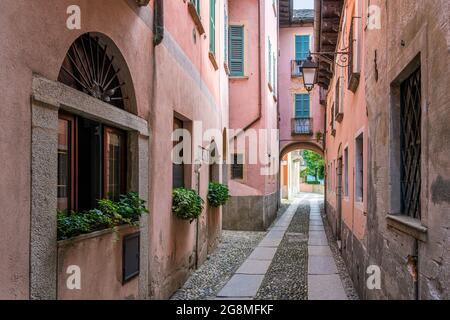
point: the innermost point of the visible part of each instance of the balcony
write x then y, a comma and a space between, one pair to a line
302, 126
295, 68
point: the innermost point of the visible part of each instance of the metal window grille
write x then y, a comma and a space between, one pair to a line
410, 144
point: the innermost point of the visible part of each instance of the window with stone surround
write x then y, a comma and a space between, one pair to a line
237, 167
346, 171
359, 168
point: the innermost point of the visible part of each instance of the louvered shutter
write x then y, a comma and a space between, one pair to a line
236, 50
301, 47
302, 105
212, 26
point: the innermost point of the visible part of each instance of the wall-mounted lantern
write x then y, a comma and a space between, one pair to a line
310, 69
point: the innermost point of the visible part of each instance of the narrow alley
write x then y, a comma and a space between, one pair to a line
293, 260
225, 150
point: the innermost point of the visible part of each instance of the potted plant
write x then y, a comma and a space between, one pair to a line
218, 194
186, 204
109, 214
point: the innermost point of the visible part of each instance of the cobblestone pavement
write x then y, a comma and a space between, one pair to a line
231, 252
275, 265
287, 278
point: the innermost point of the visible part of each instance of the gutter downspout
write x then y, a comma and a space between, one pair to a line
158, 22
259, 75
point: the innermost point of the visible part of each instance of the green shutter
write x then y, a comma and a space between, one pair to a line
301, 47
302, 105
270, 62
236, 47
197, 5
274, 73
212, 26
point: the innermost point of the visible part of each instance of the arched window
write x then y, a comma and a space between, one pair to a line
92, 155
88, 67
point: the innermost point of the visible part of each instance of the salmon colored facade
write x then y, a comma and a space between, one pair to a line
171, 71
253, 114
301, 115
304, 131
387, 177
347, 114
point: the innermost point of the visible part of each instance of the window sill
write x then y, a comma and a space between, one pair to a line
238, 77
213, 60
408, 225
197, 20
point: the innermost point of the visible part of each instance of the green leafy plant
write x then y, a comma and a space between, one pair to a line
319, 136
218, 194
109, 214
186, 204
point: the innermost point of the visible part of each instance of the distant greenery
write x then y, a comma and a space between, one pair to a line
186, 204
109, 214
315, 166
218, 194
313, 182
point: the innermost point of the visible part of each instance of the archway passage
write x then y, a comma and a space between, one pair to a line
301, 145
302, 171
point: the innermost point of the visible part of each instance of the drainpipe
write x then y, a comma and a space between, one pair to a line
158, 22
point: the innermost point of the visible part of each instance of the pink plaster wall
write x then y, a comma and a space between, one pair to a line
35, 39
179, 60
43, 45
290, 86
245, 96
354, 122
99, 257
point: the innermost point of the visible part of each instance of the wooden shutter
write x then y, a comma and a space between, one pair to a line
212, 26
270, 62
274, 74
196, 5
302, 105
301, 47
236, 50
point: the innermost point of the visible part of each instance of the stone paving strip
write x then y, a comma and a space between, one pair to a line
245, 283
324, 282
287, 277
205, 283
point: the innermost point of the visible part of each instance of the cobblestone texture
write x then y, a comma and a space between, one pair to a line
287, 275
231, 252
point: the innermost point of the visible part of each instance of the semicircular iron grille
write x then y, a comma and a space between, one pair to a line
88, 68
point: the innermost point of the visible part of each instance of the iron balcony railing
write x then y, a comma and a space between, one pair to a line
302, 126
295, 68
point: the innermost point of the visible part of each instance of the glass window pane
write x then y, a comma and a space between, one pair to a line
114, 163
64, 165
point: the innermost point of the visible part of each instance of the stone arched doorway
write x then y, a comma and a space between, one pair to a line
292, 164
